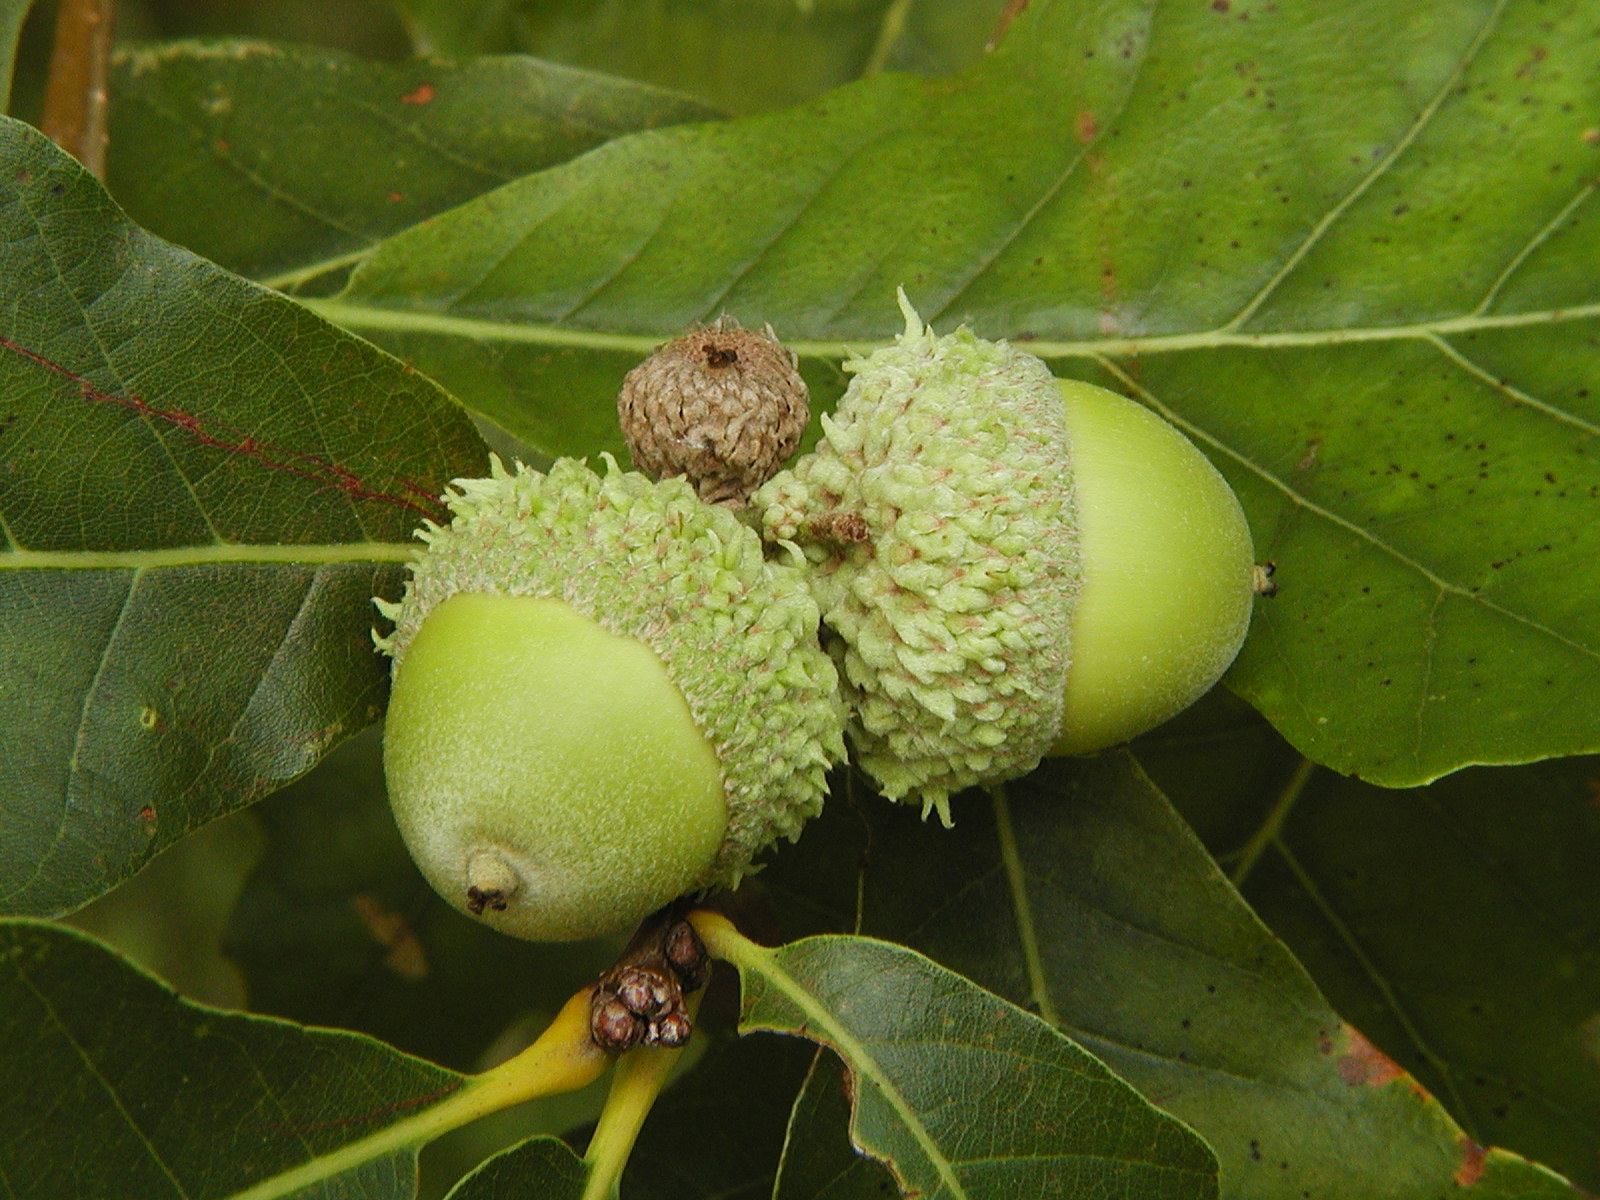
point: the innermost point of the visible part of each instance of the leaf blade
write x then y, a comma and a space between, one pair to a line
208, 145
204, 485
1138, 948
932, 1117
1445, 922
1192, 205
229, 1100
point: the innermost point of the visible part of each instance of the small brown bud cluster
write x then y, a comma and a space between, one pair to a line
722, 406
640, 1002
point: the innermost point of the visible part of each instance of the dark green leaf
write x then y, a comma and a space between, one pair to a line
336, 926
959, 1092
1355, 267
1457, 925
11, 14
1086, 897
742, 55
719, 1129
210, 145
203, 486
110, 1085
539, 1169
818, 1160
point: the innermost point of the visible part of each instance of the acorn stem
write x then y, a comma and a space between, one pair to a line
634, 1088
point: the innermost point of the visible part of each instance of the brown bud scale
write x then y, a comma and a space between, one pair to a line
671, 1031
613, 1027
644, 991
686, 954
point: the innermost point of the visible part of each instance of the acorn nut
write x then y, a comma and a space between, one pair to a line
603, 698
1010, 565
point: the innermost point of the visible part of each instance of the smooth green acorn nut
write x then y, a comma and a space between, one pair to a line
1167, 571
1011, 565
513, 660
604, 698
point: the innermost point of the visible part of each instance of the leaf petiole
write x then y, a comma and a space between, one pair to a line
641, 1074
562, 1059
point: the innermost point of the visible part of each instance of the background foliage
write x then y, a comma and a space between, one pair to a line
1347, 247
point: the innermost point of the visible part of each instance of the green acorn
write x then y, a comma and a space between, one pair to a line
1011, 565
604, 698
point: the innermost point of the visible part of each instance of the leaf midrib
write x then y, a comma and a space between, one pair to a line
221, 553
372, 316
860, 1058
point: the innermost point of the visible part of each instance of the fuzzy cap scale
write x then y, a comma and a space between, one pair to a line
938, 514
651, 561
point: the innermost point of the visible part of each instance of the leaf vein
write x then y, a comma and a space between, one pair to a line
222, 553
216, 148
1504, 387
105, 1084
1538, 239
1378, 170
355, 315
1021, 904
1347, 936
778, 234
1347, 524
983, 265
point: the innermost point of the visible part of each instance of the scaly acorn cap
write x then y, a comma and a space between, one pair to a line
938, 515
736, 635
722, 406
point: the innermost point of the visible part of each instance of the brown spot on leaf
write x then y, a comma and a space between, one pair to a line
421, 94
1473, 1160
207, 431
1536, 56
1363, 1063
1014, 9
1086, 126
406, 956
